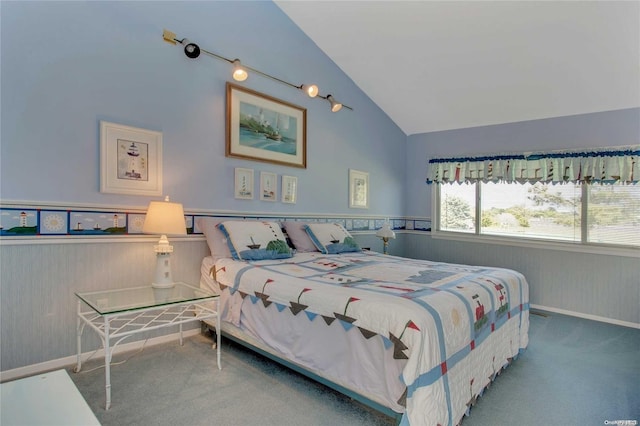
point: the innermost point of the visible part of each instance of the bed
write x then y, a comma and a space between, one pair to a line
416, 339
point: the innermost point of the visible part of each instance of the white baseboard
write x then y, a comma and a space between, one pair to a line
69, 361
587, 316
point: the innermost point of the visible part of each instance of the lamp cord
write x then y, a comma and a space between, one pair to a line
113, 363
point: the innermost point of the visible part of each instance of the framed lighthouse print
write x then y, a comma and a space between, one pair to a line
268, 186
243, 187
358, 189
130, 160
289, 189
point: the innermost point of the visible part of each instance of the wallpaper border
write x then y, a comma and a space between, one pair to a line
33, 221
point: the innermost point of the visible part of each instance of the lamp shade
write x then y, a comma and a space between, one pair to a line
164, 218
386, 232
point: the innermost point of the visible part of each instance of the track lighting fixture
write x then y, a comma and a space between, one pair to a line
190, 49
310, 89
335, 106
241, 72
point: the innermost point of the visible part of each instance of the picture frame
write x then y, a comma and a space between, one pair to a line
243, 184
130, 160
268, 186
263, 128
289, 189
358, 189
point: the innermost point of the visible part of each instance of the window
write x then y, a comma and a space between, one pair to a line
579, 197
573, 212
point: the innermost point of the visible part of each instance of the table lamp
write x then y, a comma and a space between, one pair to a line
386, 233
164, 218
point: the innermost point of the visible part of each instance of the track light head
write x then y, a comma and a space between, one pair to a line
335, 106
310, 89
192, 50
239, 73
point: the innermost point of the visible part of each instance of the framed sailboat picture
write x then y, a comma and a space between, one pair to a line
263, 128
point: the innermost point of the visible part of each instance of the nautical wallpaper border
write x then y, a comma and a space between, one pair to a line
29, 222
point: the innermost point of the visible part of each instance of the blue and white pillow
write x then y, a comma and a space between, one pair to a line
253, 240
331, 238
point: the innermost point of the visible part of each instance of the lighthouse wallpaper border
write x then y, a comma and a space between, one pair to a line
130, 160
263, 128
19, 222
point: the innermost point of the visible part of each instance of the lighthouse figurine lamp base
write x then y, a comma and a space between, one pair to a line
163, 277
164, 218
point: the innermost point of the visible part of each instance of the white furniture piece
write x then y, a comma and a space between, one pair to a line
118, 314
47, 399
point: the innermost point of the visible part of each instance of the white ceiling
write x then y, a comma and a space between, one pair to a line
438, 65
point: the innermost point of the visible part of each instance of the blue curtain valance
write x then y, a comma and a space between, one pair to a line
602, 165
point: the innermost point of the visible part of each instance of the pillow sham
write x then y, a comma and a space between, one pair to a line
331, 238
298, 236
216, 240
253, 240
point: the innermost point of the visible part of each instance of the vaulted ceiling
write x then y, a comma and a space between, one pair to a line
438, 65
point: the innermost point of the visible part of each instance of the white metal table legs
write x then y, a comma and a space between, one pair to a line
80, 323
107, 364
79, 328
140, 321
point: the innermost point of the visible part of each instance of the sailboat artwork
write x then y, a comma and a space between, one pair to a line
275, 134
267, 129
263, 128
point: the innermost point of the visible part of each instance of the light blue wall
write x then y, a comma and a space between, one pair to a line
68, 65
597, 130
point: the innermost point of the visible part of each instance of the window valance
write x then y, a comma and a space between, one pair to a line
602, 165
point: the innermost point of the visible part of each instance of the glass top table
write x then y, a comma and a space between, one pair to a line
130, 299
117, 314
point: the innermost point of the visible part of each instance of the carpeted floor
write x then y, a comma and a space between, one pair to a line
575, 372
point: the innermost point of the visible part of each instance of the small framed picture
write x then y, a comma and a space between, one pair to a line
244, 183
130, 160
289, 189
358, 189
268, 186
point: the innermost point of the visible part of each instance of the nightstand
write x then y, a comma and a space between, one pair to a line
118, 314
